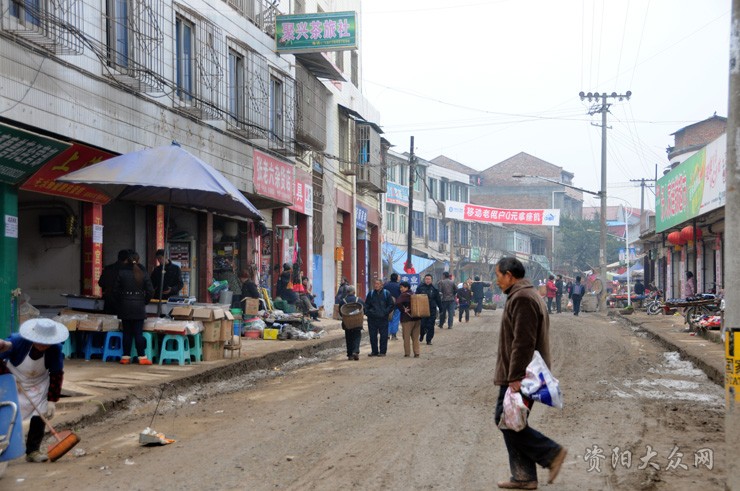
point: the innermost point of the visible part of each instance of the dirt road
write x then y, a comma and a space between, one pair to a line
635, 417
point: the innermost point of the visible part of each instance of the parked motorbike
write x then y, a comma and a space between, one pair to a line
653, 304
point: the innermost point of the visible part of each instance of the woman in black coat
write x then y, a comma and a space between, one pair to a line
133, 291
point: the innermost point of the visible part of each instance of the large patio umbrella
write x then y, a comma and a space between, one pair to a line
167, 175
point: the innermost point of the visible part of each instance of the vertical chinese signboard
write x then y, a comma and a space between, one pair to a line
303, 195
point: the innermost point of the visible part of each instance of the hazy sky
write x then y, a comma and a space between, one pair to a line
480, 81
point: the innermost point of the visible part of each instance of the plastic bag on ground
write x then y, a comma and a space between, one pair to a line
540, 385
514, 416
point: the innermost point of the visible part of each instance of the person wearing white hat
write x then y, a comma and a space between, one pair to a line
36, 359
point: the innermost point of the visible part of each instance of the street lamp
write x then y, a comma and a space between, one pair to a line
602, 230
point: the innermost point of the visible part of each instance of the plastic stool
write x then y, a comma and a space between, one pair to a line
69, 346
152, 346
91, 348
175, 347
113, 347
196, 347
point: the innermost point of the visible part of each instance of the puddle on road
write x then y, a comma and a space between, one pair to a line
675, 379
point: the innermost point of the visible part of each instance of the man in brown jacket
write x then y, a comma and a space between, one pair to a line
524, 328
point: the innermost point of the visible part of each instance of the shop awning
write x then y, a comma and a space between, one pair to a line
397, 258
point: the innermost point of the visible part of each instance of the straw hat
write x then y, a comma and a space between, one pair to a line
43, 331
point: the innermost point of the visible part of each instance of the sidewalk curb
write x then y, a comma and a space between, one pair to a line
97, 410
712, 372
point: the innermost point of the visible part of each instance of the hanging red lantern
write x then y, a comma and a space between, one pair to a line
676, 238
688, 233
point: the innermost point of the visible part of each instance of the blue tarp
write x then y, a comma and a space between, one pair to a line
397, 257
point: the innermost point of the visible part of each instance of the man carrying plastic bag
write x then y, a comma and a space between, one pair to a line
524, 328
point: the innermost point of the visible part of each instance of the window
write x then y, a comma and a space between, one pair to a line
461, 234
417, 181
27, 11
363, 143
433, 188
236, 86
464, 194
418, 224
445, 239
443, 190
355, 75
184, 41
403, 175
432, 229
118, 21
403, 219
391, 173
276, 109
390, 217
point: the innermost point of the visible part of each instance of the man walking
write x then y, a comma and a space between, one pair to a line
435, 301
378, 305
576, 294
478, 287
525, 328
447, 291
559, 293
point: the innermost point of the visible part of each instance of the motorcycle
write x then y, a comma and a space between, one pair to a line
654, 305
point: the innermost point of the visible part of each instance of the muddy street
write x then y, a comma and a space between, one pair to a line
635, 417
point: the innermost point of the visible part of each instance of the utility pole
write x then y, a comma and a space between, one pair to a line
732, 261
642, 201
412, 173
601, 106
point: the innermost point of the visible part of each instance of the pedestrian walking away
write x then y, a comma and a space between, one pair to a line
435, 302
464, 297
133, 291
411, 325
576, 294
447, 290
525, 326
351, 336
394, 289
478, 288
378, 305
559, 293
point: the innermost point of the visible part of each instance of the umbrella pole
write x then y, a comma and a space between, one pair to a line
164, 260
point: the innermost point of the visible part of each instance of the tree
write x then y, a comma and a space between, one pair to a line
579, 244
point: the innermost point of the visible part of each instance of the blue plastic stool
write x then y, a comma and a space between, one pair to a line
152, 347
91, 346
196, 347
113, 347
69, 348
175, 347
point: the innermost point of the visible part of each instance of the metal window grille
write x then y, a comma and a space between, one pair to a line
52, 24
135, 43
258, 80
211, 71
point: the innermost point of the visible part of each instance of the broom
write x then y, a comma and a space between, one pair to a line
66, 440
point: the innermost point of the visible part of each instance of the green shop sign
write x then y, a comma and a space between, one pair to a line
326, 31
22, 153
693, 188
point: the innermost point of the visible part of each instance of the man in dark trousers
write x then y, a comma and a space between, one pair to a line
525, 326
107, 282
378, 306
435, 302
576, 294
559, 293
478, 288
172, 277
394, 288
447, 290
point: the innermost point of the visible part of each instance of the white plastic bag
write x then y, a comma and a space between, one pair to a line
540, 385
514, 416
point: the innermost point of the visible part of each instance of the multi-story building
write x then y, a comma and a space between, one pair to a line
234, 84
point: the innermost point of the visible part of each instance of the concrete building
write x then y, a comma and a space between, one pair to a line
290, 128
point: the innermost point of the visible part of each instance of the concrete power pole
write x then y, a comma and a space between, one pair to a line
601, 106
732, 261
410, 237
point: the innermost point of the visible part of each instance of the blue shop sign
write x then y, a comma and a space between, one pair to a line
360, 217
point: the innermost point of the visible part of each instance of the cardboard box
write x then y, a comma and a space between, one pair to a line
213, 351
251, 306
182, 313
202, 313
109, 323
270, 333
211, 331
419, 306
227, 326
89, 324
150, 323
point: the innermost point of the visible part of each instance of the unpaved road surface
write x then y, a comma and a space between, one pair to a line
635, 418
